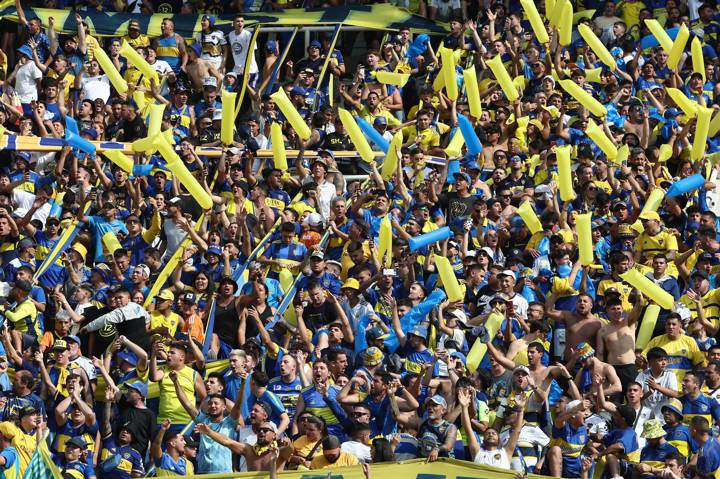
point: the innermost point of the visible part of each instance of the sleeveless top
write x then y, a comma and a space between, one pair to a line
226, 323
168, 51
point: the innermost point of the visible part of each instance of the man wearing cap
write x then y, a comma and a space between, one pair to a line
355, 305
71, 463
436, 435
102, 224
257, 273
677, 432
318, 274
163, 320
708, 456
190, 322
171, 462
654, 239
22, 315
22, 435
332, 455
313, 61
118, 458
700, 295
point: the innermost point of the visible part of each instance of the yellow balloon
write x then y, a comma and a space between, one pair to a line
278, 147
454, 148
567, 193
585, 98
292, 115
479, 349
503, 77
597, 135
472, 91
146, 145
356, 135
688, 106
698, 61
701, 133
448, 71
585, 242
140, 101
156, 115
527, 213
385, 243
647, 326
665, 153
389, 166
176, 166
654, 200
678, 47
535, 20
108, 67
228, 117
111, 242
597, 46
593, 75
448, 278
134, 58
714, 125
556, 12
659, 32
566, 24
120, 159
649, 288
392, 78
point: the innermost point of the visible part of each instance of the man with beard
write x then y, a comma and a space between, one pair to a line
287, 385
315, 398
580, 326
457, 204
259, 456
248, 434
212, 457
332, 457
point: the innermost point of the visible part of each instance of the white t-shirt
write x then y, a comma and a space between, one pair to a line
530, 436
656, 399
26, 82
239, 45
496, 458
162, 67
357, 449
96, 87
211, 44
24, 201
326, 193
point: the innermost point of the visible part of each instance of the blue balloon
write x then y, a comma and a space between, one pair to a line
418, 46
71, 125
372, 134
686, 184
80, 143
474, 147
453, 167
650, 41
142, 170
439, 234
414, 316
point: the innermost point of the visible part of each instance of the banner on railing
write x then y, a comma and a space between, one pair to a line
109, 24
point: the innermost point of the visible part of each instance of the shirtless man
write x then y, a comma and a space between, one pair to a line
198, 69
580, 326
616, 340
591, 366
260, 456
542, 375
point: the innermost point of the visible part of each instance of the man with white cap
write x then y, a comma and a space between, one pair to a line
436, 435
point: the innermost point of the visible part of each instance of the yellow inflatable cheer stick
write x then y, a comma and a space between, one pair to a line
566, 24
389, 166
701, 133
155, 119
593, 75
567, 193
361, 144
585, 242
120, 159
286, 281
678, 47
528, 215
597, 135
688, 106
457, 141
623, 153
448, 71
597, 46
108, 67
654, 199
385, 243
228, 117
134, 58
714, 126
503, 78
647, 326
659, 32
535, 20
449, 280
278, 147
665, 152
391, 78
698, 61
649, 288
176, 166
472, 91
293, 117
585, 98
111, 242
556, 12
479, 349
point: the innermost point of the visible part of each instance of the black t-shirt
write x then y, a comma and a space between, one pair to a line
141, 423
456, 207
132, 130
337, 142
318, 316
516, 184
301, 65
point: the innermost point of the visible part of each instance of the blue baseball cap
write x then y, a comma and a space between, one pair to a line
214, 250
461, 175
74, 339
25, 50
23, 155
438, 399
196, 48
128, 356
91, 132
139, 386
380, 120
270, 45
297, 90
473, 165
420, 332
315, 44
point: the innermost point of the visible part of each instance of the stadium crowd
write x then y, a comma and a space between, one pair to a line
165, 340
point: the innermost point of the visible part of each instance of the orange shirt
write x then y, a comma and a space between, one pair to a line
194, 327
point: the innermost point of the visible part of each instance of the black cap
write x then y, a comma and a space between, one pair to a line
700, 273
27, 411
76, 441
331, 442
627, 413
705, 257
